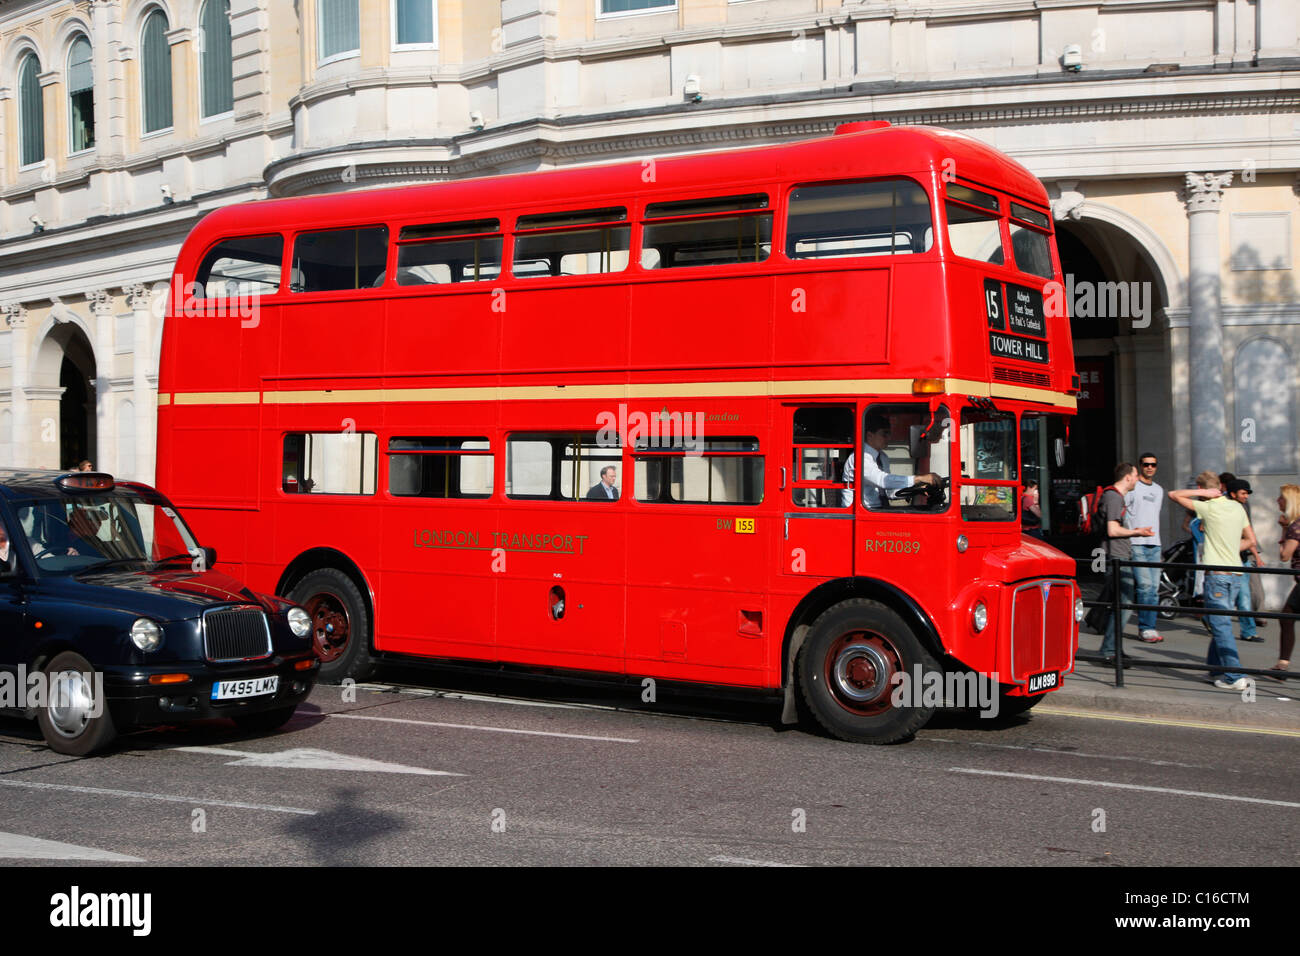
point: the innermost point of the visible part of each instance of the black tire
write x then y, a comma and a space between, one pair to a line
266, 721
340, 624
845, 673
1015, 706
66, 720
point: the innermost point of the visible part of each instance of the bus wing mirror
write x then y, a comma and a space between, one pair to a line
1058, 452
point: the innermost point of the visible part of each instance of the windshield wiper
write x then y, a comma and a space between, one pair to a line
179, 556
110, 563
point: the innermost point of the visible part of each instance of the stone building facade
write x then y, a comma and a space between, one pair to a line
1167, 132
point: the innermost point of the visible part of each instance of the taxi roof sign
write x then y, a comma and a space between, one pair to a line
86, 481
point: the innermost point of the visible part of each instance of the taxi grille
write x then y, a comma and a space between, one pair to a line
236, 634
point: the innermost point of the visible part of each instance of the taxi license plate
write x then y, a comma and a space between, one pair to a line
255, 687
1041, 682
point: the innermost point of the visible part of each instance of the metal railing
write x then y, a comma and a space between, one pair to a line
1116, 565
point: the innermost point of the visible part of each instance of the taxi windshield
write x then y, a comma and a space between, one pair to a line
69, 535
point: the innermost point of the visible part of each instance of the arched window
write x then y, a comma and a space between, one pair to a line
339, 27
32, 110
81, 96
1263, 375
156, 72
218, 86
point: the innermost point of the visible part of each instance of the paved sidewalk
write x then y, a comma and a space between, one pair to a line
1185, 694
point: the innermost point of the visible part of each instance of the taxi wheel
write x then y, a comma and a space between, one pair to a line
846, 672
266, 721
73, 720
340, 625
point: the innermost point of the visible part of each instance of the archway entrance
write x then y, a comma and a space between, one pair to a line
1116, 299
63, 406
76, 414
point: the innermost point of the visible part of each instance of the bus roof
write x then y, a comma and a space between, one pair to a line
857, 150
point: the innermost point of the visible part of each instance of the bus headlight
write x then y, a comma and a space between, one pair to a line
299, 622
979, 616
962, 544
146, 635
1078, 610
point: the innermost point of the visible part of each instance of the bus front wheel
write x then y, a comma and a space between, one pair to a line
340, 625
847, 672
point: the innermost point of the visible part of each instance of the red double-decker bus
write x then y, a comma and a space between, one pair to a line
750, 419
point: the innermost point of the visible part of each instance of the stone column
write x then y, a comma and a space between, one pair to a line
16, 318
1205, 333
143, 397
104, 455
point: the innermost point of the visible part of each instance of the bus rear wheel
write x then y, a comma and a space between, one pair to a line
340, 625
846, 672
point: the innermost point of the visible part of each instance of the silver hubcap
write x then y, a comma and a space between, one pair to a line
861, 673
71, 703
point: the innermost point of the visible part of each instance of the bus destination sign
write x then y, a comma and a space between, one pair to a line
1017, 347
1025, 312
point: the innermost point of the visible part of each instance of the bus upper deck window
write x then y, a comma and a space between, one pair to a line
449, 252
339, 259
973, 230
707, 232
889, 217
580, 242
248, 265
1029, 247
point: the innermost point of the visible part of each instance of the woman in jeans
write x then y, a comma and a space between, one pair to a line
1288, 502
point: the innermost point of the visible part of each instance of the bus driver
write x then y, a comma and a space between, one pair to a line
878, 482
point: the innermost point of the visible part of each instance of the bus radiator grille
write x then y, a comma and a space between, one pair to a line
1042, 619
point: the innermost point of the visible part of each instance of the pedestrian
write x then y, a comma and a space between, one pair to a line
1239, 490
1288, 502
1031, 511
1143, 506
1117, 547
1226, 529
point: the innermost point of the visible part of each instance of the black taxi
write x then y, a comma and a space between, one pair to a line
111, 616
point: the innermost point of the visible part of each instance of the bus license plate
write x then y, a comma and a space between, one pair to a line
233, 689
1041, 682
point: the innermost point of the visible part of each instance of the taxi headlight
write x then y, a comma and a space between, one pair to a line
1078, 610
146, 635
299, 622
979, 616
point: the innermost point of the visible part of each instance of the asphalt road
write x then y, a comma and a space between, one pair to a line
417, 776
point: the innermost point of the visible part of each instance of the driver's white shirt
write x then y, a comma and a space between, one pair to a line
876, 478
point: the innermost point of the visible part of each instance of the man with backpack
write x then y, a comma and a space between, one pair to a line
1112, 511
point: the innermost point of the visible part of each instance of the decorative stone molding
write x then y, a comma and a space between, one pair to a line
1068, 200
138, 296
15, 315
1205, 191
100, 301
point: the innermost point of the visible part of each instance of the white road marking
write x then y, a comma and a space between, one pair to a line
16, 846
496, 730
1167, 722
169, 798
1068, 753
484, 698
307, 758
741, 861
1126, 786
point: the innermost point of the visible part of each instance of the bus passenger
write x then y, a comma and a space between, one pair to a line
605, 489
